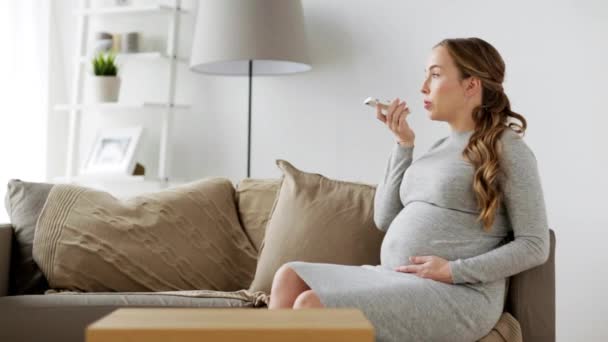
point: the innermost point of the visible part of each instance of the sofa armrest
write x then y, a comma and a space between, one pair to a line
531, 299
6, 236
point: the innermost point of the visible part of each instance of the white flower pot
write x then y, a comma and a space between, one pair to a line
103, 89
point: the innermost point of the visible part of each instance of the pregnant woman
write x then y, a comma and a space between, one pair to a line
459, 220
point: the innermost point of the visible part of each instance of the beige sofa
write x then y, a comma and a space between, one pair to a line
47, 317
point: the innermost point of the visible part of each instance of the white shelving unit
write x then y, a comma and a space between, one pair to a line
166, 108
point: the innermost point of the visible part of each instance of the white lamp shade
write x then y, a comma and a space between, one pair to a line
229, 33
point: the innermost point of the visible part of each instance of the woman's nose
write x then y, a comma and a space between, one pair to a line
425, 88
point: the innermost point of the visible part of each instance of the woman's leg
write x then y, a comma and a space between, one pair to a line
307, 299
286, 287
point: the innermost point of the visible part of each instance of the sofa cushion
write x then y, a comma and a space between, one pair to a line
23, 202
120, 299
185, 238
317, 219
255, 198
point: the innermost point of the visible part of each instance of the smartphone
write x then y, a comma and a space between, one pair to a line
372, 102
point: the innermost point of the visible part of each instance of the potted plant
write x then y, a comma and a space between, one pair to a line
105, 83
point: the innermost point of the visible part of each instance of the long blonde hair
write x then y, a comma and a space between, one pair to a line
478, 58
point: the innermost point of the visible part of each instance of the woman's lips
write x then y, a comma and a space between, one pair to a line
427, 104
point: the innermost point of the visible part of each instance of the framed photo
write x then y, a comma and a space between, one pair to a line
113, 152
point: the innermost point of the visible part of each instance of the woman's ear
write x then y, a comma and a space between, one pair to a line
472, 86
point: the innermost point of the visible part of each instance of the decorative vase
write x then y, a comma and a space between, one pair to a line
103, 89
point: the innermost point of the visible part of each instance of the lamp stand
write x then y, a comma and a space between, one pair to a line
249, 122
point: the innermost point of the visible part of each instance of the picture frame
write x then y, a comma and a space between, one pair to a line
113, 152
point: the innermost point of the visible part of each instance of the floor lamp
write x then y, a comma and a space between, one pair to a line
249, 37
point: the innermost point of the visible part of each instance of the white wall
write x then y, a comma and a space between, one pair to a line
555, 53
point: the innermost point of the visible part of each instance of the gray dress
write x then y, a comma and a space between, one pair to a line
428, 207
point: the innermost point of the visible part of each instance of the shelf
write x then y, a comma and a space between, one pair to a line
136, 55
116, 179
128, 10
105, 178
118, 106
121, 186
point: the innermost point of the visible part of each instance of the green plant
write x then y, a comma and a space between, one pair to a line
104, 65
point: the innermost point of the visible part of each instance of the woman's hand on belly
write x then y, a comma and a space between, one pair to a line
429, 267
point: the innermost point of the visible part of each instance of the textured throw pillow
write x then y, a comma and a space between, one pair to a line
23, 202
184, 238
317, 219
255, 198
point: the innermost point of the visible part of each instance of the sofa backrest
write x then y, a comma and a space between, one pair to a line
6, 236
531, 299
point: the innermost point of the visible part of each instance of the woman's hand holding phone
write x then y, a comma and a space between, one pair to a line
395, 120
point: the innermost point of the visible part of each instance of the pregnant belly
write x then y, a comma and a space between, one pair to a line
422, 228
